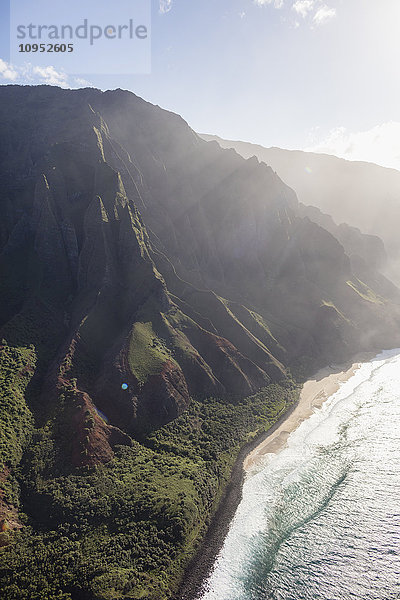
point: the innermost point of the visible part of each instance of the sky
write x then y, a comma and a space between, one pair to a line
320, 75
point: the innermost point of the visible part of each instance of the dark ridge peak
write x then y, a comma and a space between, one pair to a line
49, 90
129, 99
54, 91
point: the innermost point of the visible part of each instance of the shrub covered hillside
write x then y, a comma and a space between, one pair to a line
125, 529
160, 298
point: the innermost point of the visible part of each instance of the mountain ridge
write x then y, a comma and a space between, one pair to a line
160, 298
361, 194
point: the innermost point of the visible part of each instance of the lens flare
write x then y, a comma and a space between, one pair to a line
101, 415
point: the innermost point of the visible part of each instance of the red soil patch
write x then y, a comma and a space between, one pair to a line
94, 439
8, 513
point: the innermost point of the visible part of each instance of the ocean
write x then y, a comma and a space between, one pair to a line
320, 520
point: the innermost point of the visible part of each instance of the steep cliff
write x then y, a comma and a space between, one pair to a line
157, 295
360, 194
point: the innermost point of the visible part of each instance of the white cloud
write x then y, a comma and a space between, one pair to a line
380, 144
323, 15
303, 7
314, 11
50, 76
7, 71
82, 82
34, 75
275, 3
165, 6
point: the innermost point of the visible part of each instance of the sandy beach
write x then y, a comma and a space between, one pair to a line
314, 393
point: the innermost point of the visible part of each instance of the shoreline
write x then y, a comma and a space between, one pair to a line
321, 386
315, 391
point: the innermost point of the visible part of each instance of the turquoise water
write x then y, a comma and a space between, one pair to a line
321, 519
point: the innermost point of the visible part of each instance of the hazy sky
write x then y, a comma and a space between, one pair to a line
316, 74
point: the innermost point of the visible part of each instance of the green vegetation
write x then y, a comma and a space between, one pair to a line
262, 322
365, 292
24, 355
147, 352
127, 529
16, 421
330, 304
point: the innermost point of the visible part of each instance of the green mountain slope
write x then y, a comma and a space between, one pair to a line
158, 299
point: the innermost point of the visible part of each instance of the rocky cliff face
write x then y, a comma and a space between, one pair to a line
157, 294
147, 266
362, 195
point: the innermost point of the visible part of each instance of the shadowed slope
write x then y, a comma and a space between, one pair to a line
156, 293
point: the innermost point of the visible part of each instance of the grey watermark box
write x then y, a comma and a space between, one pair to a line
82, 37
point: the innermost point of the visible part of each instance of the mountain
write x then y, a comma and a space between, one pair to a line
159, 300
360, 194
